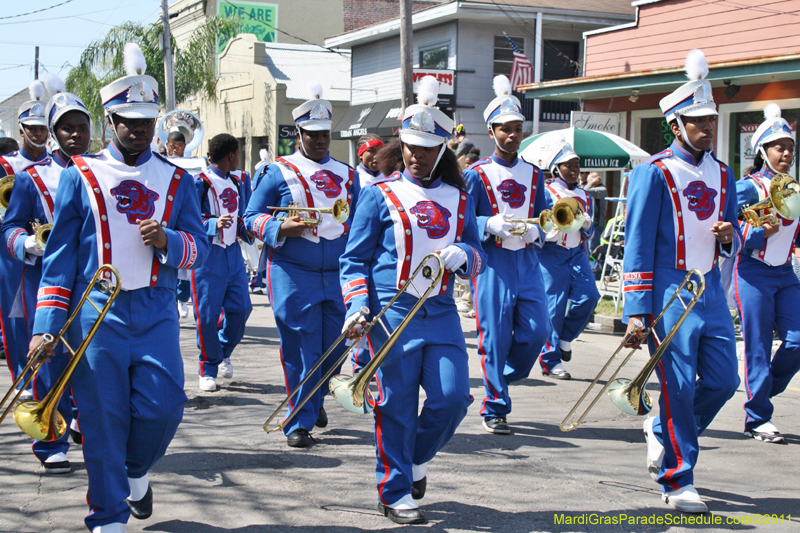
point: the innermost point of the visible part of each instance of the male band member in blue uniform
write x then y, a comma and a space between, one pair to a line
564, 262
133, 209
682, 216
32, 204
765, 287
421, 209
221, 282
510, 303
33, 128
303, 260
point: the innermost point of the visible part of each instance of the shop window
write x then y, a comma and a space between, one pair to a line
434, 58
504, 55
656, 135
560, 60
742, 127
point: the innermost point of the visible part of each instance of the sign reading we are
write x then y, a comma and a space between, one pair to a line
257, 18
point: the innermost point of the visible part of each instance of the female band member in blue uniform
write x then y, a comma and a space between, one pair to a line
765, 287
564, 263
303, 260
367, 171
420, 209
133, 209
221, 282
32, 204
510, 303
682, 216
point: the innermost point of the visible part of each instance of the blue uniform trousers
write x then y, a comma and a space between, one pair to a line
513, 324
568, 278
767, 296
129, 389
309, 313
221, 281
15, 341
698, 372
430, 353
184, 290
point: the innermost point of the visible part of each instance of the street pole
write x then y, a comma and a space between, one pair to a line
36, 65
406, 51
169, 70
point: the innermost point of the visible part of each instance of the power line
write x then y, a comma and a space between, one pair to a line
37, 11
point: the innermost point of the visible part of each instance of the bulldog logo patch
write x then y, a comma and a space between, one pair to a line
512, 193
328, 182
432, 217
701, 199
135, 201
230, 200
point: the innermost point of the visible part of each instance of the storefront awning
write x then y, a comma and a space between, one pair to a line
741, 72
381, 118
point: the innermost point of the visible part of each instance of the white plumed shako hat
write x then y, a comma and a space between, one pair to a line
694, 98
315, 114
423, 123
134, 95
61, 101
555, 150
773, 128
32, 112
505, 107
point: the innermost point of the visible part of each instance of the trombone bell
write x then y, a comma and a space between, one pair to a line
39, 421
340, 387
6, 185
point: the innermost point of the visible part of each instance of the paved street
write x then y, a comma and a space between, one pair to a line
223, 473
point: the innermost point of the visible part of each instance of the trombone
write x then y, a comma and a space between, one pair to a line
567, 216
630, 395
351, 391
783, 198
6, 185
340, 211
41, 420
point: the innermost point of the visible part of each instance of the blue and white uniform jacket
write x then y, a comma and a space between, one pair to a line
515, 191
776, 249
16, 162
397, 223
223, 195
673, 202
296, 178
366, 176
33, 201
100, 201
558, 189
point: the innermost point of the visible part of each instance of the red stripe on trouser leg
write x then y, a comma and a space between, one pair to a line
197, 321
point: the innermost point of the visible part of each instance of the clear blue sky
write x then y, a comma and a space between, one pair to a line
61, 33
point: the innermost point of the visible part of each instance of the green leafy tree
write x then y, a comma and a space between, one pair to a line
195, 66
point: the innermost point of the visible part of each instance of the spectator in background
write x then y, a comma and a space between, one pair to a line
464, 144
593, 185
469, 158
8, 145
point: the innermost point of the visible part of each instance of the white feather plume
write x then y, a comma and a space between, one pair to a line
54, 84
502, 87
772, 111
36, 90
428, 91
696, 65
314, 90
133, 59
263, 154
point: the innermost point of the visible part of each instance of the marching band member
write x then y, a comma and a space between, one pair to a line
221, 281
176, 144
32, 203
33, 128
766, 289
420, 209
569, 281
682, 216
510, 304
367, 148
303, 260
133, 209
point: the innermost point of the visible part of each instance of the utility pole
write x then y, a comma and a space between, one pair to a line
406, 51
169, 70
36, 65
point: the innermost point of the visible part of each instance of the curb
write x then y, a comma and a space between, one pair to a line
607, 323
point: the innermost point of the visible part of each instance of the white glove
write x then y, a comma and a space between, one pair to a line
587, 222
31, 248
356, 322
498, 226
453, 257
533, 235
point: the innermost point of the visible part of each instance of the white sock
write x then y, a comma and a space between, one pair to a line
564, 345
74, 425
56, 458
116, 527
406, 502
138, 487
767, 427
418, 471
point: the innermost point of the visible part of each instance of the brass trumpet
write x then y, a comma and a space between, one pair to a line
351, 391
567, 216
340, 211
783, 198
6, 185
42, 232
41, 420
630, 395
545, 221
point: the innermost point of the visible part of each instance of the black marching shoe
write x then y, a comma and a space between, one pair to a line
418, 488
142, 509
557, 372
58, 465
76, 437
402, 516
322, 419
299, 438
497, 425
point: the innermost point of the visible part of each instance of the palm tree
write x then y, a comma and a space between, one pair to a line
195, 67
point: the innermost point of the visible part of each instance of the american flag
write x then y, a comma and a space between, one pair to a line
521, 69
